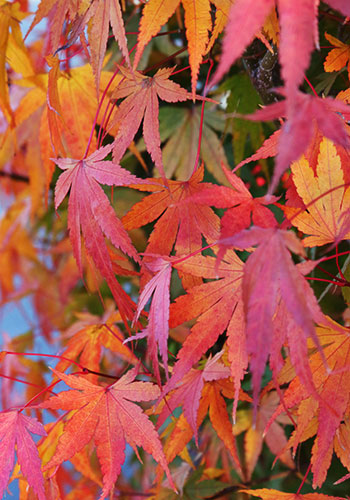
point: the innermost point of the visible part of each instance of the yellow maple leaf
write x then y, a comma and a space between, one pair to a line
10, 17
267, 494
326, 199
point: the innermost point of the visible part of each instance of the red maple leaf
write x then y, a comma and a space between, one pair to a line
245, 209
141, 95
109, 416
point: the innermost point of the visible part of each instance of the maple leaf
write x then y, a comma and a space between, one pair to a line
103, 13
244, 209
97, 14
65, 114
198, 25
141, 95
255, 435
15, 429
90, 210
332, 405
181, 134
89, 336
16, 246
324, 196
270, 275
157, 329
57, 11
217, 306
10, 18
189, 391
181, 222
109, 416
199, 391
337, 57
267, 494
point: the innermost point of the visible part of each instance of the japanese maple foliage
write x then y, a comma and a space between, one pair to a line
174, 280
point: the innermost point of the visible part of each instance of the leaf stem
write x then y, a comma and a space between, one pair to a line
101, 101
304, 479
181, 259
45, 389
310, 85
63, 358
211, 64
335, 255
169, 58
337, 261
21, 381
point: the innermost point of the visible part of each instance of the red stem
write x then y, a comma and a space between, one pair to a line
326, 281
337, 261
22, 381
101, 101
332, 256
45, 356
301, 210
329, 274
304, 479
48, 388
310, 85
202, 117
194, 253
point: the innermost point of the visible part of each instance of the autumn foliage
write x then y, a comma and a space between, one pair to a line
175, 217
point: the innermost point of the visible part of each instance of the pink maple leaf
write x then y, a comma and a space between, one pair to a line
14, 430
90, 211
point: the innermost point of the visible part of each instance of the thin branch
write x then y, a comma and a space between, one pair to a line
15, 177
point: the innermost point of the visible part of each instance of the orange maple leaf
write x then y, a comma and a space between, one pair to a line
10, 18
218, 306
198, 24
109, 416
181, 222
337, 57
89, 337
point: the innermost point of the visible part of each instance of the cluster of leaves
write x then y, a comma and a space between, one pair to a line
161, 264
